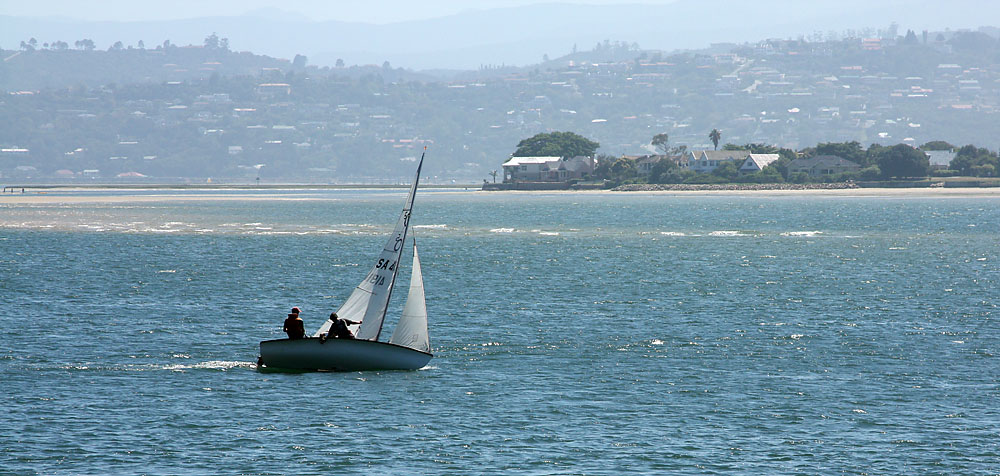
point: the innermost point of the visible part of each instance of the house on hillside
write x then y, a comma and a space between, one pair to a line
704, 161
547, 169
757, 162
273, 90
822, 165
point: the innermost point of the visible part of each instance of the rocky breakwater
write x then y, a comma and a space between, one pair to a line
748, 187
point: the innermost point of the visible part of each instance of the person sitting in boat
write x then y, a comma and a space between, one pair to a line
294, 326
339, 328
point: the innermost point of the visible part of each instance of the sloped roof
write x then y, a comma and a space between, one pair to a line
940, 157
762, 160
515, 161
720, 154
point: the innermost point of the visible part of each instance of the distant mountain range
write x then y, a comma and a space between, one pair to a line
516, 35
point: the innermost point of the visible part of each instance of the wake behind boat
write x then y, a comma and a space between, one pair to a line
409, 346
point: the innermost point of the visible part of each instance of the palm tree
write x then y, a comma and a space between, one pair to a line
716, 136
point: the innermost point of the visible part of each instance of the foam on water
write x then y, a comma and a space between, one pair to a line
802, 233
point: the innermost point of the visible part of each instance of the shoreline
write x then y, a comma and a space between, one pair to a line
748, 187
66, 195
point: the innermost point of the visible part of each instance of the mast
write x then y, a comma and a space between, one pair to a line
407, 212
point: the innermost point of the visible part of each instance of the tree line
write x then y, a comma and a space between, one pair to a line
212, 42
876, 162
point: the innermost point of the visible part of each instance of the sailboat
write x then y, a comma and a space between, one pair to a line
409, 346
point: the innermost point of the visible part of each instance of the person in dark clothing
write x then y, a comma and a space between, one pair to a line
294, 326
339, 328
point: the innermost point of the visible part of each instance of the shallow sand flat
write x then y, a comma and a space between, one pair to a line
121, 196
40, 198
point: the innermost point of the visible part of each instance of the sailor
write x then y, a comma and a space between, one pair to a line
294, 326
339, 328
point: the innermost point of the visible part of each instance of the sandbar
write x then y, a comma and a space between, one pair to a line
168, 195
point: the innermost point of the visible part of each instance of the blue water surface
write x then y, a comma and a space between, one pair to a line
572, 333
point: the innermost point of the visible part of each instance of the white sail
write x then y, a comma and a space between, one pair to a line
369, 300
412, 328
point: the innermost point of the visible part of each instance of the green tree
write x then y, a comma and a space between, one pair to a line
871, 172
902, 160
661, 142
846, 150
603, 169
556, 144
727, 170
299, 62
969, 160
212, 41
984, 170
753, 148
937, 145
623, 169
85, 44
715, 136
660, 172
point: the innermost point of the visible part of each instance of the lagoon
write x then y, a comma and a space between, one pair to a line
574, 333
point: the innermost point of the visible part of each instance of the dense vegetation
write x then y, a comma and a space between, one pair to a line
877, 162
556, 144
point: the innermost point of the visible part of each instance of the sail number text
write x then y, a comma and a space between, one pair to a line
383, 264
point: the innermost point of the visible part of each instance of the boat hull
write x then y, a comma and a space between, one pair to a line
339, 355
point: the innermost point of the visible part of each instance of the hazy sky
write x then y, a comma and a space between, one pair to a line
373, 11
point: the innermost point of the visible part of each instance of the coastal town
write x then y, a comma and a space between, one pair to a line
206, 111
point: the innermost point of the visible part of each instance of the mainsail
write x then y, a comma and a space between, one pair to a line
412, 328
369, 300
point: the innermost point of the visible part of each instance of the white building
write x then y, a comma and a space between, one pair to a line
547, 168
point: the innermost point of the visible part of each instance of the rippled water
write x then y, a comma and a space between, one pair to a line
573, 334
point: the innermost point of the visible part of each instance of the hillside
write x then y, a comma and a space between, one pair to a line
517, 35
56, 66
215, 113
